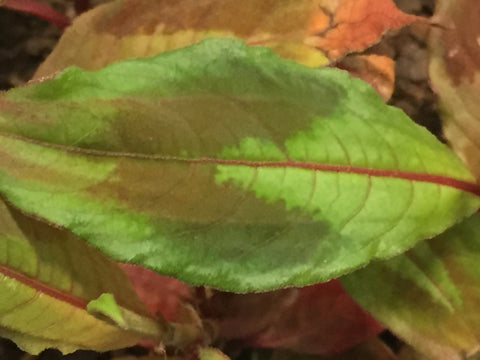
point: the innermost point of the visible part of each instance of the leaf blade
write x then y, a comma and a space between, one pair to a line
171, 156
311, 32
45, 291
428, 296
453, 68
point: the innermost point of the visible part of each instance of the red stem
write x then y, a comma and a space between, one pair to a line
41, 10
399, 174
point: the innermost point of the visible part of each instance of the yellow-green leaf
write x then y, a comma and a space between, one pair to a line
211, 354
47, 276
106, 305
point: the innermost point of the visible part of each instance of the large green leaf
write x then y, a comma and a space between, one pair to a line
430, 296
47, 277
222, 164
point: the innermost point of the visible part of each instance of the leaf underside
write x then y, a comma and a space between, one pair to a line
222, 164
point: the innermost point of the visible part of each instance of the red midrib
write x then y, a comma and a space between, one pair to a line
407, 175
43, 288
412, 176
399, 174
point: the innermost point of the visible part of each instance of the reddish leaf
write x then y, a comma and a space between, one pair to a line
244, 315
161, 294
319, 319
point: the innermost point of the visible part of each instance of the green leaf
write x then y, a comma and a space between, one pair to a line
222, 164
47, 276
430, 295
106, 305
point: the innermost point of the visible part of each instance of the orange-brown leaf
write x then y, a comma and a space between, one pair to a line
312, 32
356, 24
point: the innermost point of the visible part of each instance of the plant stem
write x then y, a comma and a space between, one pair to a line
41, 10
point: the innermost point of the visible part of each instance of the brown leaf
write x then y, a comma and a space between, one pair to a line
302, 30
454, 71
357, 24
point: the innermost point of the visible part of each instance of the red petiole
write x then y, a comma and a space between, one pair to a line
41, 10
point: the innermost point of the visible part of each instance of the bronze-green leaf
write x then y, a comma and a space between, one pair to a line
223, 164
430, 295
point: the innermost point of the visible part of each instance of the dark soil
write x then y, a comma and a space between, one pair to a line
25, 41
409, 50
